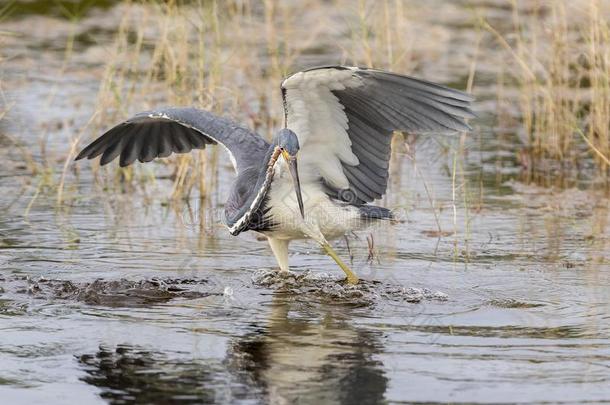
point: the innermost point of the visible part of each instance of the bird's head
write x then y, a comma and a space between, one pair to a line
287, 143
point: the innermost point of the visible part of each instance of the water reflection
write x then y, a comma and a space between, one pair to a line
301, 353
298, 352
130, 374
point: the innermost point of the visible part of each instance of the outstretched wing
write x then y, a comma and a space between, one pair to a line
344, 118
158, 133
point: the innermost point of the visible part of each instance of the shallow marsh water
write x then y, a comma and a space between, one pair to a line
122, 298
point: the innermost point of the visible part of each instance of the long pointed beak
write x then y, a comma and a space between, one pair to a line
294, 173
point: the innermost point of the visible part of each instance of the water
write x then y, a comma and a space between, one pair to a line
122, 298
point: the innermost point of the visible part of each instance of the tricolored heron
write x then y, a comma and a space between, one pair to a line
338, 123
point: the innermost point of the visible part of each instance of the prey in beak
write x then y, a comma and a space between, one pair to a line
291, 161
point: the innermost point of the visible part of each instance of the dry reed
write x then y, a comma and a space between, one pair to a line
169, 53
562, 65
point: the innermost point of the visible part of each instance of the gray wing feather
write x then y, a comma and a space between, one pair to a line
113, 150
384, 102
180, 141
150, 149
158, 133
387, 102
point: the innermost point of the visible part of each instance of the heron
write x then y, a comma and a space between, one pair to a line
319, 174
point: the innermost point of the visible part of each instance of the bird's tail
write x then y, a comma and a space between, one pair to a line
375, 212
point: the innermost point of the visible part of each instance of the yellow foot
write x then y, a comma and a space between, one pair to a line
351, 277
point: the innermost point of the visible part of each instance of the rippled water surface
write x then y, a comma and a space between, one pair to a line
122, 297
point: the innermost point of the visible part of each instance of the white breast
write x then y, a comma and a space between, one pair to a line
333, 220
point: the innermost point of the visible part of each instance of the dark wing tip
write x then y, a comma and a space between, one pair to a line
87, 151
81, 155
133, 137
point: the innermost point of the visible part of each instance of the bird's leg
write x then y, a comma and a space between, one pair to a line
351, 277
313, 231
280, 250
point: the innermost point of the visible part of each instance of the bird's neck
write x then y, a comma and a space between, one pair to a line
253, 208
